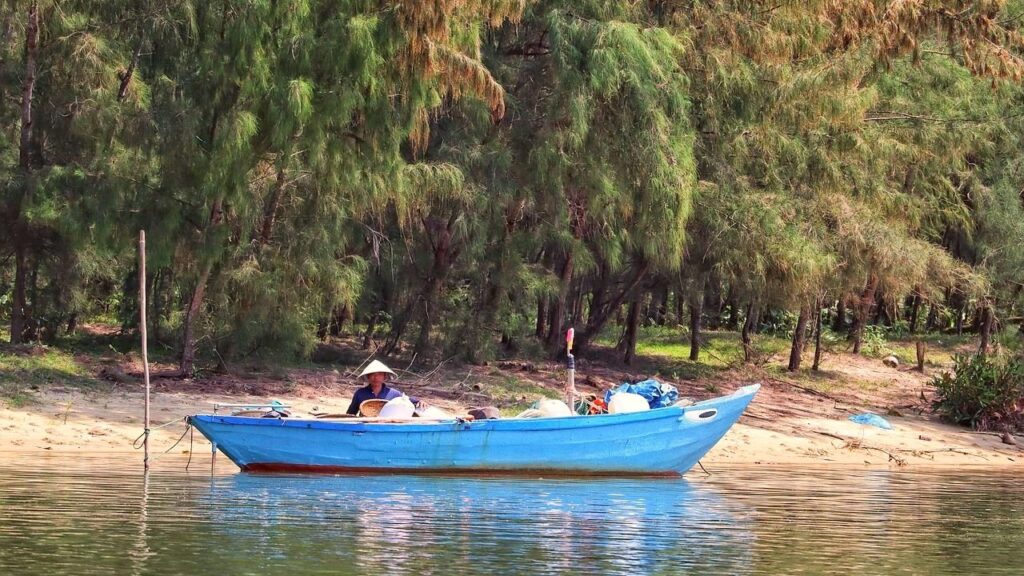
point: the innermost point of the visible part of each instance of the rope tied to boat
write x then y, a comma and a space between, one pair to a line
140, 440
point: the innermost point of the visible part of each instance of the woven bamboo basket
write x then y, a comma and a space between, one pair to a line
371, 407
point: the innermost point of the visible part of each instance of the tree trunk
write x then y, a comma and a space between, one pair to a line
696, 310
839, 321
915, 310
862, 308
987, 318
577, 303
542, 312
662, 310
32, 311
28, 86
126, 77
748, 351
25, 164
817, 336
557, 314
195, 305
796, 350
427, 316
371, 325
441, 234
188, 340
713, 302
18, 306
933, 317
632, 323
732, 306
601, 308
680, 305
270, 210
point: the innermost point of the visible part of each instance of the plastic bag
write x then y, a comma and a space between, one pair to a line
657, 394
869, 419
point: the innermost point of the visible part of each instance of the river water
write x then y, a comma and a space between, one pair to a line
101, 515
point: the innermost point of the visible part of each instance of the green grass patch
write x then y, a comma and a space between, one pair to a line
25, 370
666, 351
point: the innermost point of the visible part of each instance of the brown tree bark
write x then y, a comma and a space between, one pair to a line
987, 320
601, 307
542, 312
796, 350
817, 336
371, 325
662, 310
25, 165
680, 305
933, 315
188, 340
556, 314
748, 322
441, 234
915, 311
18, 305
126, 77
733, 323
632, 325
28, 86
696, 310
862, 308
270, 210
839, 321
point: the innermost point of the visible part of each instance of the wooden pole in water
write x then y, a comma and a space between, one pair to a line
145, 351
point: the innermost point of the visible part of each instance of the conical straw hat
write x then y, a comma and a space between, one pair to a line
377, 366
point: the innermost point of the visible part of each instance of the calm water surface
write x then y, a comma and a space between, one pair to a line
101, 515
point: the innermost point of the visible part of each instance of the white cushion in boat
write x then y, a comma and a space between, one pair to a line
400, 407
627, 402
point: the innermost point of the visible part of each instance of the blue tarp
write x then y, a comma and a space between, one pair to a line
869, 419
658, 394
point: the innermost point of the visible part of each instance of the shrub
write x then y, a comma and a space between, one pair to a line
982, 391
873, 343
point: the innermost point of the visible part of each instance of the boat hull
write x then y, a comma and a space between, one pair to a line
665, 441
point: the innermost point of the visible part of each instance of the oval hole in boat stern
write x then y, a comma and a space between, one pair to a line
701, 416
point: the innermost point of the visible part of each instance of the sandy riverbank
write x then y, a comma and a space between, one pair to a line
788, 423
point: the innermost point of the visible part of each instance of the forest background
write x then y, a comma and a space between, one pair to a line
469, 178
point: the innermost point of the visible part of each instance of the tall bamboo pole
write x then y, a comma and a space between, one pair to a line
570, 384
145, 351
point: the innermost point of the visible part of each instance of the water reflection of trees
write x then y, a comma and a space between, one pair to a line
412, 525
762, 521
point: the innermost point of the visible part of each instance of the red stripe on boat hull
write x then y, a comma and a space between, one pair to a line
276, 467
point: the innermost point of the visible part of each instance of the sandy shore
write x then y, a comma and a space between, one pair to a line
783, 426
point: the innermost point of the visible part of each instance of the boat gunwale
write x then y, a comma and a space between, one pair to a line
574, 422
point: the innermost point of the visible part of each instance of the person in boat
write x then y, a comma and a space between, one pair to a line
377, 386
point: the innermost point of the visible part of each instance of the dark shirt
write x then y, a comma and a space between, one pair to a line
365, 393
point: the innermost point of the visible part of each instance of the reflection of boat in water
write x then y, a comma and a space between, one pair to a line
429, 524
664, 441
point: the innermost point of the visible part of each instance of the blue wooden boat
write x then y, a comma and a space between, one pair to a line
663, 442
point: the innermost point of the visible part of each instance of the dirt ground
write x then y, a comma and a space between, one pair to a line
796, 421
